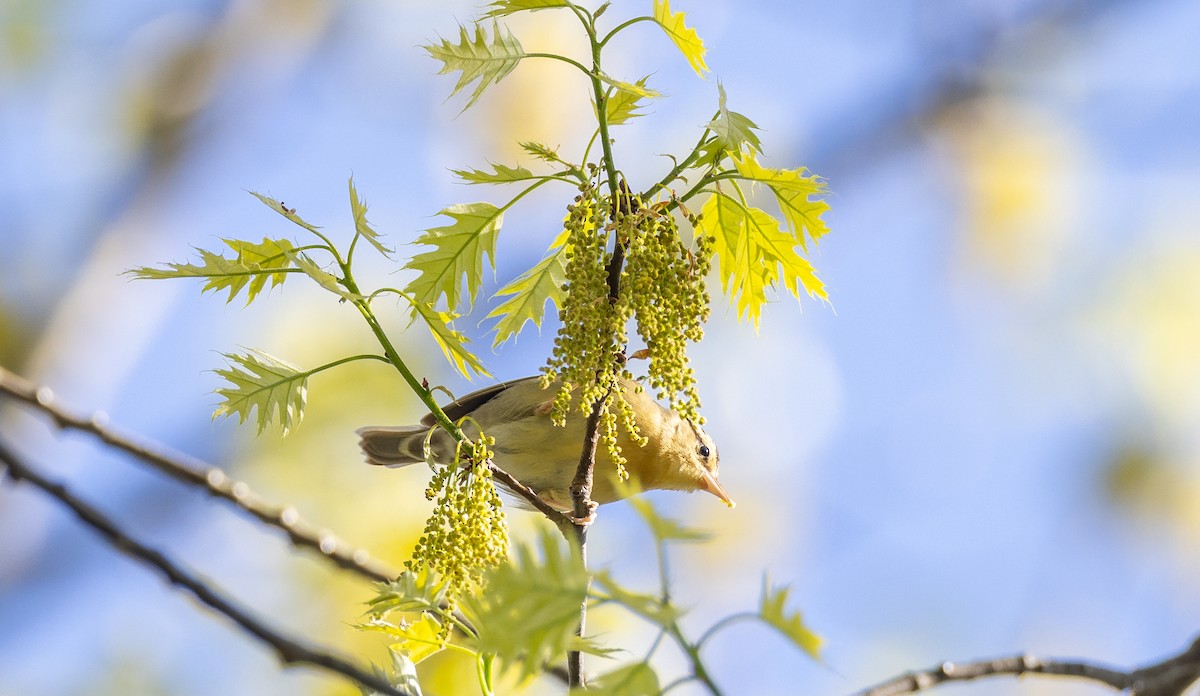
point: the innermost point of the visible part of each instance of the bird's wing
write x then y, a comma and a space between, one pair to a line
462, 406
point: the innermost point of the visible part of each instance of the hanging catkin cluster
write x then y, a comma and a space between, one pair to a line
664, 285
592, 336
662, 289
466, 534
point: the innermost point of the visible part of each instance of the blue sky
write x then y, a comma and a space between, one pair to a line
984, 445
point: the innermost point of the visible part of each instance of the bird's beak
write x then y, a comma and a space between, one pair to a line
709, 483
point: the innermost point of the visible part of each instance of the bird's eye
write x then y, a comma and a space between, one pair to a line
704, 451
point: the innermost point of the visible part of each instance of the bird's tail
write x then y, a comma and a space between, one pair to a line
393, 445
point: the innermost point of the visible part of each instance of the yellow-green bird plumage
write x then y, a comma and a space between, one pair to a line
679, 455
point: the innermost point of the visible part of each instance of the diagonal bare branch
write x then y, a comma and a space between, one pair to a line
289, 650
1169, 677
201, 474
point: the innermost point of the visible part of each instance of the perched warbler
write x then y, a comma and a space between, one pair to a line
678, 455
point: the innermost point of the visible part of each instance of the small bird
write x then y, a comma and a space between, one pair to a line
679, 455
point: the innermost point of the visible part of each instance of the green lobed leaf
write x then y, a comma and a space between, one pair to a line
650, 607
778, 246
262, 383
289, 213
501, 174
722, 218
527, 613
503, 8
544, 153
734, 132
457, 255
419, 639
685, 38
249, 269
361, 227
326, 280
528, 294
410, 592
754, 254
452, 342
478, 58
665, 528
773, 611
622, 105
637, 679
793, 189
638, 89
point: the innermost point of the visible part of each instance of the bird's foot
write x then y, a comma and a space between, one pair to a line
587, 519
566, 506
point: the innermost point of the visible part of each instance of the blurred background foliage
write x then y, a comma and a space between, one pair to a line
990, 443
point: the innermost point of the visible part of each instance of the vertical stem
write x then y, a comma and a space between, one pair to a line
581, 494
423, 392
581, 485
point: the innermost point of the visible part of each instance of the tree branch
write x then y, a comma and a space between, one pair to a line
1169, 677
527, 493
201, 474
289, 650
581, 485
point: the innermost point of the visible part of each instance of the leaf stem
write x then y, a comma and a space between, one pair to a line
585, 18
562, 59
337, 257
681, 167
622, 26
699, 672
598, 90
732, 618
392, 356
342, 361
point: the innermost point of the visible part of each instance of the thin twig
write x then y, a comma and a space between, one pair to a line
201, 474
1169, 677
527, 493
289, 650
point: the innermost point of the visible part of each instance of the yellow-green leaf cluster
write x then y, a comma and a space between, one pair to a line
527, 613
795, 191
418, 638
542, 151
754, 252
636, 89
413, 591
261, 382
733, 133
